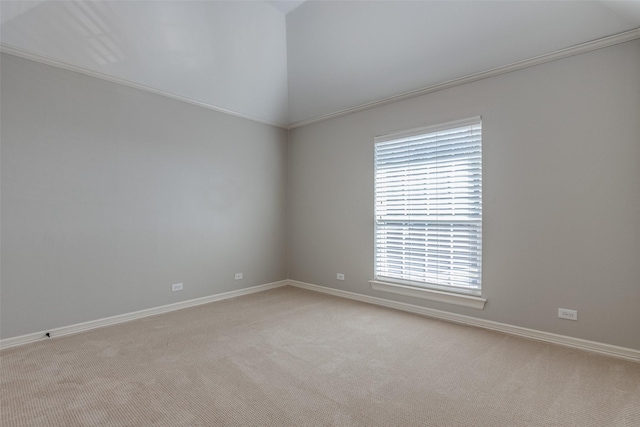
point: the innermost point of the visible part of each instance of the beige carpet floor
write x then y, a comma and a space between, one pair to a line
291, 357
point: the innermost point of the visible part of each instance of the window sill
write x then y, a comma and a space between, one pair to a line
430, 294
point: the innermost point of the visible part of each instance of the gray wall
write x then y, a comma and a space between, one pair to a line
110, 195
561, 193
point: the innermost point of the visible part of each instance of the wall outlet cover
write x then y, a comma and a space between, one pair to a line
565, 313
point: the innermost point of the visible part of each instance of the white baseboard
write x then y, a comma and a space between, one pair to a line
592, 346
93, 324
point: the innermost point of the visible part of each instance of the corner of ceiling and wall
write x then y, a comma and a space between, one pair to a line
293, 63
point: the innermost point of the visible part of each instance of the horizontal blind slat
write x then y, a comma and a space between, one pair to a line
428, 195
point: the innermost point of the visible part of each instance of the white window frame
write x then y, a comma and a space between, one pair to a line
450, 291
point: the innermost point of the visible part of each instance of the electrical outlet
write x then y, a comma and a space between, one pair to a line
340, 276
176, 287
238, 276
564, 313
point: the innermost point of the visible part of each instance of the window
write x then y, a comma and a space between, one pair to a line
428, 196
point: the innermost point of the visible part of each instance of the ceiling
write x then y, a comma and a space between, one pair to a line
287, 62
285, 6
349, 53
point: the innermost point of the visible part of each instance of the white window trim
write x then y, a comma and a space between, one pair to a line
429, 294
427, 129
421, 290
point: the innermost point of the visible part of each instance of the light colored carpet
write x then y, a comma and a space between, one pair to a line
291, 357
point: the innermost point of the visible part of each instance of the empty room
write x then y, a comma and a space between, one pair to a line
320, 213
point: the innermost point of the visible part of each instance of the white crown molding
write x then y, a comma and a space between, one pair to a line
11, 50
113, 320
559, 54
531, 62
563, 340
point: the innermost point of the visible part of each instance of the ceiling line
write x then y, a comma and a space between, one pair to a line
559, 54
14, 51
515, 66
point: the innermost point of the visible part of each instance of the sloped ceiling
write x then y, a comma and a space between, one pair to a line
250, 59
344, 54
285, 6
229, 55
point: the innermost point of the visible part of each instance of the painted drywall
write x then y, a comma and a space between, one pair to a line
561, 194
231, 55
343, 54
110, 194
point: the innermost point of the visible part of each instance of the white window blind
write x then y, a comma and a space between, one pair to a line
428, 195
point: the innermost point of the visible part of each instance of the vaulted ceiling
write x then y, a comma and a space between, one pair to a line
288, 62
